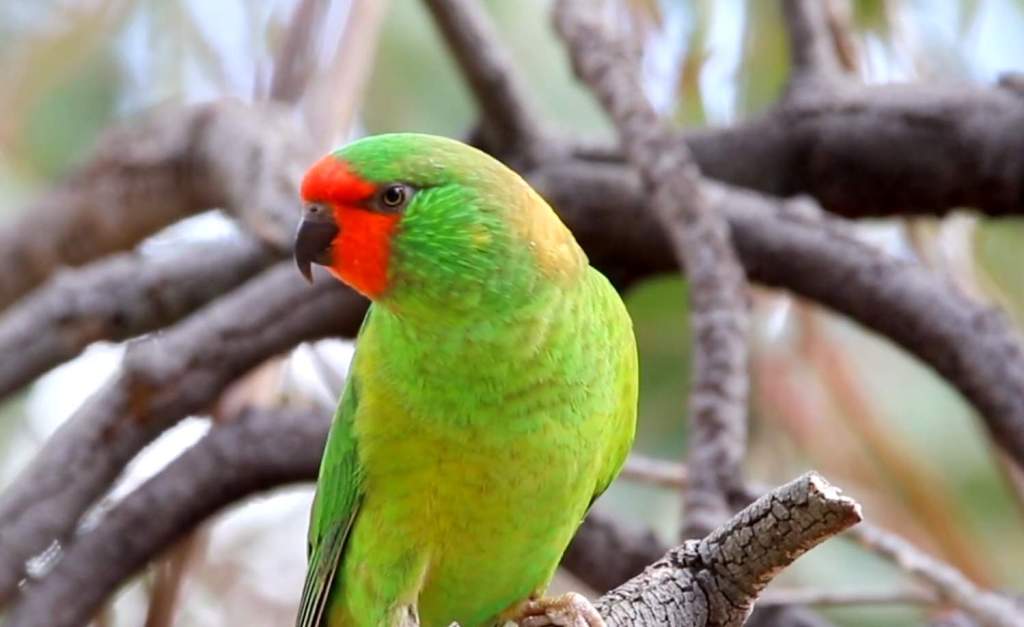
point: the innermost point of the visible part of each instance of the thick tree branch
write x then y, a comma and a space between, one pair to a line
147, 174
718, 310
257, 451
117, 298
881, 150
507, 114
162, 379
715, 581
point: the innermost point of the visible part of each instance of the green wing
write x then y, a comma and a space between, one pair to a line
337, 500
622, 423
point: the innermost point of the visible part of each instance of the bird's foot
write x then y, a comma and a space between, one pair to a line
569, 610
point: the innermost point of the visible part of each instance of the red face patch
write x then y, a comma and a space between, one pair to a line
360, 251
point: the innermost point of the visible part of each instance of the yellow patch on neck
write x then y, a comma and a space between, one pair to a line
552, 244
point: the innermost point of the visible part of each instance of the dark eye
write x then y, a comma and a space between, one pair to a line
394, 196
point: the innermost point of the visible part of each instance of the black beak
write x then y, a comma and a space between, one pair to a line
313, 239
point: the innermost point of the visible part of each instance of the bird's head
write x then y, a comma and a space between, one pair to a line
427, 224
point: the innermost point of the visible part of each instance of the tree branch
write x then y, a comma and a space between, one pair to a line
506, 112
162, 379
117, 298
255, 452
880, 150
718, 311
715, 581
147, 174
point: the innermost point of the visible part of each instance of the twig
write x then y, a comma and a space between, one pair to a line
149, 173
840, 25
296, 60
988, 608
162, 380
339, 91
812, 51
718, 312
258, 451
896, 596
715, 581
655, 471
507, 113
163, 602
117, 298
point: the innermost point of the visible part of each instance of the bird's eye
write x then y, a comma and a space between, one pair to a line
394, 196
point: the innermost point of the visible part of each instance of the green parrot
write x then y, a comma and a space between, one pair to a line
492, 396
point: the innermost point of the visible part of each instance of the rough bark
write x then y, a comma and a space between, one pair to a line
714, 581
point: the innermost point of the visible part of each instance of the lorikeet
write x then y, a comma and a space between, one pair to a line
491, 399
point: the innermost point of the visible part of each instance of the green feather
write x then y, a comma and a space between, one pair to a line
334, 510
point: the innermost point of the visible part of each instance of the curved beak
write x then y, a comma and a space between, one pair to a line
313, 239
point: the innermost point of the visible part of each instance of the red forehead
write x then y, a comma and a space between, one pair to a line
331, 180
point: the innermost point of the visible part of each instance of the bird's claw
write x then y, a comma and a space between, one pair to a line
568, 610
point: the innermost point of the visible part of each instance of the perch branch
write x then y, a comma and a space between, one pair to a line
715, 581
117, 298
162, 379
700, 238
